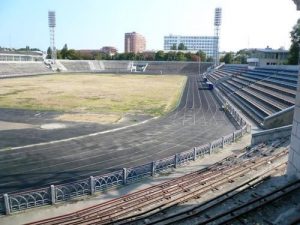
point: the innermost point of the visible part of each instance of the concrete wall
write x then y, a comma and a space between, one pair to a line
282, 118
294, 152
283, 67
270, 135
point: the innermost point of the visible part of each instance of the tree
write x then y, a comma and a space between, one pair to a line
174, 47
228, 58
131, 56
209, 59
180, 56
171, 56
202, 55
293, 58
64, 52
189, 56
160, 56
181, 46
72, 54
49, 53
241, 56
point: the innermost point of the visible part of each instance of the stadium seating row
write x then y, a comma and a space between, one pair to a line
259, 92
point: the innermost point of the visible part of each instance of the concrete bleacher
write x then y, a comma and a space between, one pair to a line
76, 65
120, 66
12, 69
260, 92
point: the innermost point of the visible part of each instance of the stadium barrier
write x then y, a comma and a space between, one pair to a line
14, 202
271, 134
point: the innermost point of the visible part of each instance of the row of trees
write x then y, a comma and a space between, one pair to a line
236, 58
27, 49
177, 55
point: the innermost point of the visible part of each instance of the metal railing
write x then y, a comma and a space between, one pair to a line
10, 203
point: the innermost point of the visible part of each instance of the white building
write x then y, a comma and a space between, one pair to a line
21, 56
193, 43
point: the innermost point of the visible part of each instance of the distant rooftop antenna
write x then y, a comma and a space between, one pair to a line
52, 25
218, 19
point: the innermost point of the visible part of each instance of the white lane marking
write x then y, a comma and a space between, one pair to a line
78, 137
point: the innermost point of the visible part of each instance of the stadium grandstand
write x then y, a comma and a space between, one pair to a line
21, 56
19, 68
261, 93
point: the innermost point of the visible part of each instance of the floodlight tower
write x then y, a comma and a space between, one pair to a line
52, 25
218, 17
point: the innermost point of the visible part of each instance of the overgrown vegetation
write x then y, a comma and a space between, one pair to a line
178, 54
108, 95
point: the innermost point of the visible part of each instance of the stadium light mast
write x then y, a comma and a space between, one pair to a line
52, 25
218, 18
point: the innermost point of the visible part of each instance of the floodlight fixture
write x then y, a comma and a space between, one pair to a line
218, 20
218, 16
52, 25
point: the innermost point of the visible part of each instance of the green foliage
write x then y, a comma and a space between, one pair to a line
181, 46
171, 56
209, 59
160, 56
180, 56
293, 58
64, 52
49, 53
241, 56
72, 54
27, 48
173, 47
202, 55
228, 58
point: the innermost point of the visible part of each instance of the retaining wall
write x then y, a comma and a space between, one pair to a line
271, 134
282, 118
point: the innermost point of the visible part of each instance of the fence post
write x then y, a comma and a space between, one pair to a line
223, 139
124, 176
53, 195
210, 147
195, 153
248, 128
92, 184
233, 136
6, 204
153, 169
176, 160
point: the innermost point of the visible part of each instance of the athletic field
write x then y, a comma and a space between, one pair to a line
99, 98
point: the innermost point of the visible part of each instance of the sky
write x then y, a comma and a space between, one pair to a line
92, 24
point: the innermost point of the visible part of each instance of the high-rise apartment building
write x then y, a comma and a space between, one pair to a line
192, 43
134, 42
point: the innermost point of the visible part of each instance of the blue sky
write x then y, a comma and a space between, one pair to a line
91, 24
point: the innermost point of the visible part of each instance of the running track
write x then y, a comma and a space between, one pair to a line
196, 121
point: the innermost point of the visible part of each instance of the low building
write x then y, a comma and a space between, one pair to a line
109, 50
21, 56
267, 56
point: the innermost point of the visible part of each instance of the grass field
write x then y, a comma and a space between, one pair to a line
98, 98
